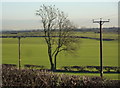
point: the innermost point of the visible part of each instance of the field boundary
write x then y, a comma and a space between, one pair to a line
72, 69
104, 39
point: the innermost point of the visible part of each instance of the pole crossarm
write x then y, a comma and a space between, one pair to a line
96, 21
104, 21
101, 21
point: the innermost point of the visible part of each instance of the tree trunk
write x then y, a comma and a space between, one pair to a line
55, 62
52, 67
50, 57
51, 62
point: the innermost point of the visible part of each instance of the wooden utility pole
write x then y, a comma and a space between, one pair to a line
101, 22
19, 62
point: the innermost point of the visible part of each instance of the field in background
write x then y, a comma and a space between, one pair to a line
34, 51
106, 35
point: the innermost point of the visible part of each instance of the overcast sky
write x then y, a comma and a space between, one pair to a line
21, 15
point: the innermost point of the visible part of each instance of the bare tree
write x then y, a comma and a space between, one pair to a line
58, 31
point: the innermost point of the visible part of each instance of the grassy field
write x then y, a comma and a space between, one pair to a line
97, 35
106, 35
34, 51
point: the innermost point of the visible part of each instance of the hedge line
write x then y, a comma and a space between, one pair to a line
12, 77
91, 68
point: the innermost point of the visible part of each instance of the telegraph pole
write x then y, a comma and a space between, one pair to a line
101, 22
19, 62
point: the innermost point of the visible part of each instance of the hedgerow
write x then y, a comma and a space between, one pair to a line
31, 78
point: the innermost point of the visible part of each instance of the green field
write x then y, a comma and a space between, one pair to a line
34, 51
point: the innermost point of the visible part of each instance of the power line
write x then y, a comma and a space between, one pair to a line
101, 22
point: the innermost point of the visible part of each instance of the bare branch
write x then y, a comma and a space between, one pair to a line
56, 23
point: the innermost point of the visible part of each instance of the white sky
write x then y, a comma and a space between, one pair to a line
21, 15
60, 0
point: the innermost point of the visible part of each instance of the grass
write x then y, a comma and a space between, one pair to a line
106, 35
108, 76
34, 51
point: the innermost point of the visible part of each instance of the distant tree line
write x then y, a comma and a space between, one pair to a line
96, 30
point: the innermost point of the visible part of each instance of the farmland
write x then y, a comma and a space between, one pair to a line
34, 51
